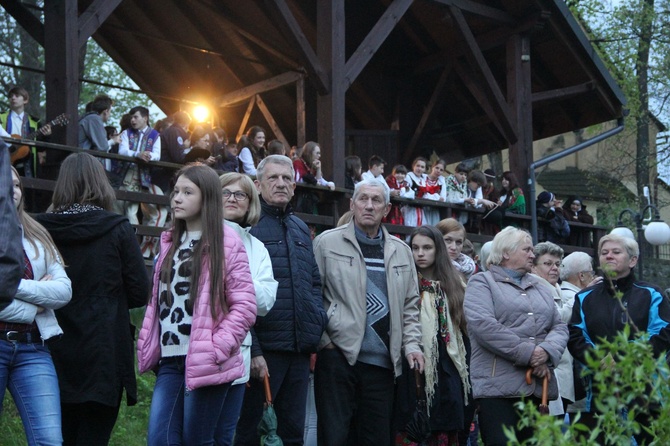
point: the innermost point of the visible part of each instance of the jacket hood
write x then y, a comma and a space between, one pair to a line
80, 228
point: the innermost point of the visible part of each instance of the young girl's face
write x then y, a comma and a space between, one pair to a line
437, 171
505, 183
461, 177
186, 200
423, 250
454, 242
473, 186
419, 168
399, 177
16, 185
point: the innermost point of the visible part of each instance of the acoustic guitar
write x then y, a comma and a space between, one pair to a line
17, 153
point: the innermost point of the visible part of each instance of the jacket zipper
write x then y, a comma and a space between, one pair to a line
493, 371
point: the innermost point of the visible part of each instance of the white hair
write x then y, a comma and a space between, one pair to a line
506, 241
386, 193
575, 263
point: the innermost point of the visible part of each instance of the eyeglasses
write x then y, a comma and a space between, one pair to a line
239, 195
550, 264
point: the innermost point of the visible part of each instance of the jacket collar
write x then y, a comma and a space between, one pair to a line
349, 234
500, 275
624, 284
275, 211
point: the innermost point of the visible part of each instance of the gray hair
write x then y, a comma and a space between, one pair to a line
386, 192
575, 263
484, 254
630, 245
274, 159
547, 248
506, 241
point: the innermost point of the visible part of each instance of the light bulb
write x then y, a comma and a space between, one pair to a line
657, 233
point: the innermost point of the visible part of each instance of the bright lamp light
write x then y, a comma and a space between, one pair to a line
200, 113
657, 233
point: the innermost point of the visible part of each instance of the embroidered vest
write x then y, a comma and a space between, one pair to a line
120, 168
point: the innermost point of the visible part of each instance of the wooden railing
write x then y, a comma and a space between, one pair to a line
331, 203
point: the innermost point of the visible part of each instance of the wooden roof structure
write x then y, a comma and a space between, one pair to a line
460, 77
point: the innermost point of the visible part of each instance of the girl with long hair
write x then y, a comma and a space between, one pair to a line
26, 327
511, 196
445, 346
352, 171
94, 357
308, 166
253, 150
200, 311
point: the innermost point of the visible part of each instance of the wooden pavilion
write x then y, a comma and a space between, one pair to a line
399, 78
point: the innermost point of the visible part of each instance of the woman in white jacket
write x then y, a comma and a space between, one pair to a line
26, 326
242, 209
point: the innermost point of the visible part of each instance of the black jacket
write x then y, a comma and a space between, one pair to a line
597, 314
297, 320
11, 249
95, 357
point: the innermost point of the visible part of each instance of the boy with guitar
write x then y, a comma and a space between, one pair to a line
17, 123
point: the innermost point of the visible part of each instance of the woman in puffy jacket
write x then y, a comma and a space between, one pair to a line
242, 209
27, 325
202, 306
514, 326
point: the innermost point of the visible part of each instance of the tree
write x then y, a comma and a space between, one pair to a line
23, 64
633, 38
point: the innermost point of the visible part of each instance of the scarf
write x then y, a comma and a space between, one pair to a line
436, 321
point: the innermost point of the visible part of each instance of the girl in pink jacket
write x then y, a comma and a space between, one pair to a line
201, 308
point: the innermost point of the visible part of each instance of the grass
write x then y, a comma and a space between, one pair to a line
131, 426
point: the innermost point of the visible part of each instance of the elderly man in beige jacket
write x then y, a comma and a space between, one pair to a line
371, 297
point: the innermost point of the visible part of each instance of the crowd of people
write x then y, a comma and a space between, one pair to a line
342, 328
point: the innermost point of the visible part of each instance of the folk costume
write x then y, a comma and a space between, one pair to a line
137, 178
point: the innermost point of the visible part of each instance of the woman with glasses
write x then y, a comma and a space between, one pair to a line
242, 209
547, 265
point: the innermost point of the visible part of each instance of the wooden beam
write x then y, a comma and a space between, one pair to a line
481, 10
560, 94
259, 87
245, 119
271, 120
489, 85
300, 107
287, 24
473, 87
330, 107
428, 111
61, 67
26, 19
94, 16
374, 40
520, 100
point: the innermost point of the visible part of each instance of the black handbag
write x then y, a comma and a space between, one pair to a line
418, 428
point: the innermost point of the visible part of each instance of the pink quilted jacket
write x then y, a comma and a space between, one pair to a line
214, 347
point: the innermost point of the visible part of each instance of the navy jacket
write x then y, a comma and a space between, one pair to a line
598, 314
297, 319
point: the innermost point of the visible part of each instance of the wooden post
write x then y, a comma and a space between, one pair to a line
61, 54
330, 106
519, 97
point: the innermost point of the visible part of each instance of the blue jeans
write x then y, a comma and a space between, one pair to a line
179, 416
226, 430
27, 370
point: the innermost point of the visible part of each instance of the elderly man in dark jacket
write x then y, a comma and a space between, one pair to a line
284, 338
11, 250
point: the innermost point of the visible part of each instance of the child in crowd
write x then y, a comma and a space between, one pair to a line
375, 170
202, 306
352, 171
399, 188
436, 189
476, 200
457, 190
414, 215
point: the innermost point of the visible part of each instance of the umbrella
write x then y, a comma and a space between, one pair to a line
267, 428
418, 428
544, 405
